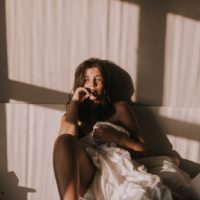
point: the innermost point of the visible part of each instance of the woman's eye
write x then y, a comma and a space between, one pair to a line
86, 80
99, 79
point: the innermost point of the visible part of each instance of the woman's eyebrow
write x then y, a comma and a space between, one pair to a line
86, 76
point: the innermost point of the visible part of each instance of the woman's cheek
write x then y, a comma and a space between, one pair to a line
101, 90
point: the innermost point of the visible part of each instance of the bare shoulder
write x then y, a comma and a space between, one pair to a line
122, 106
124, 112
128, 119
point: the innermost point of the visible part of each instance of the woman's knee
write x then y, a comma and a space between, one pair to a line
65, 145
65, 140
65, 154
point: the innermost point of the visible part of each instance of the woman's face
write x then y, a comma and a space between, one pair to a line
93, 81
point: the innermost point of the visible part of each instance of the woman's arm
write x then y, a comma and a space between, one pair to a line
131, 144
127, 119
105, 133
69, 121
124, 117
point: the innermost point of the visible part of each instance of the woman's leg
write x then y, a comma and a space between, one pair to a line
73, 168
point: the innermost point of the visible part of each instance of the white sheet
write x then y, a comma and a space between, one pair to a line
118, 177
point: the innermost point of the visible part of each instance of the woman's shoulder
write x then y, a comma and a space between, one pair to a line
122, 106
124, 111
121, 110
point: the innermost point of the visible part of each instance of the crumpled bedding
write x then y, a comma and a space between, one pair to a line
117, 176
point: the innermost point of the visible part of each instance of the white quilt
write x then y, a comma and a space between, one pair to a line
118, 177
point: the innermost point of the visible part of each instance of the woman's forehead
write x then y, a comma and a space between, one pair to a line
93, 71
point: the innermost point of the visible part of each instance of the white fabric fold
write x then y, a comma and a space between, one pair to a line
118, 177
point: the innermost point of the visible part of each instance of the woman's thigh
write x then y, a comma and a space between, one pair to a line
71, 161
87, 170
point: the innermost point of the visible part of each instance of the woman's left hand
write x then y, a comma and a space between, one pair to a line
104, 133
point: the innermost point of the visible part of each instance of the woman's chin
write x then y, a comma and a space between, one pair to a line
95, 99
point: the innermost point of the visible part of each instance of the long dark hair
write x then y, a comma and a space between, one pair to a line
105, 108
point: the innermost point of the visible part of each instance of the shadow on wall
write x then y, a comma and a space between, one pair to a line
14, 89
10, 190
35, 94
152, 30
181, 129
157, 143
151, 44
122, 89
120, 81
4, 83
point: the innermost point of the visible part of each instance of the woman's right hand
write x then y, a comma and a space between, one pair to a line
69, 122
80, 94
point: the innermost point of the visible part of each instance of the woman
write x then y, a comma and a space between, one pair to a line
90, 103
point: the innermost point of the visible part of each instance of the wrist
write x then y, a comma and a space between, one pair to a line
74, 102
122, 140
75, 98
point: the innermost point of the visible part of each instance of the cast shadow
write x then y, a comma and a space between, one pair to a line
15, 89
9, 188
157, 142
4, 83
120, 86
151, 44
35, 94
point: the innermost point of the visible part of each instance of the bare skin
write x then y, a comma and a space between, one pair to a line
77, 171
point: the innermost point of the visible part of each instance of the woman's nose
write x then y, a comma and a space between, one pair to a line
92, 84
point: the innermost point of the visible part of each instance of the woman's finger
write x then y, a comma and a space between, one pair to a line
97, 130
84, 94
104, 126
84, 91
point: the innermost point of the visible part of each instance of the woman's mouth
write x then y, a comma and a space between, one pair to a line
92, 92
